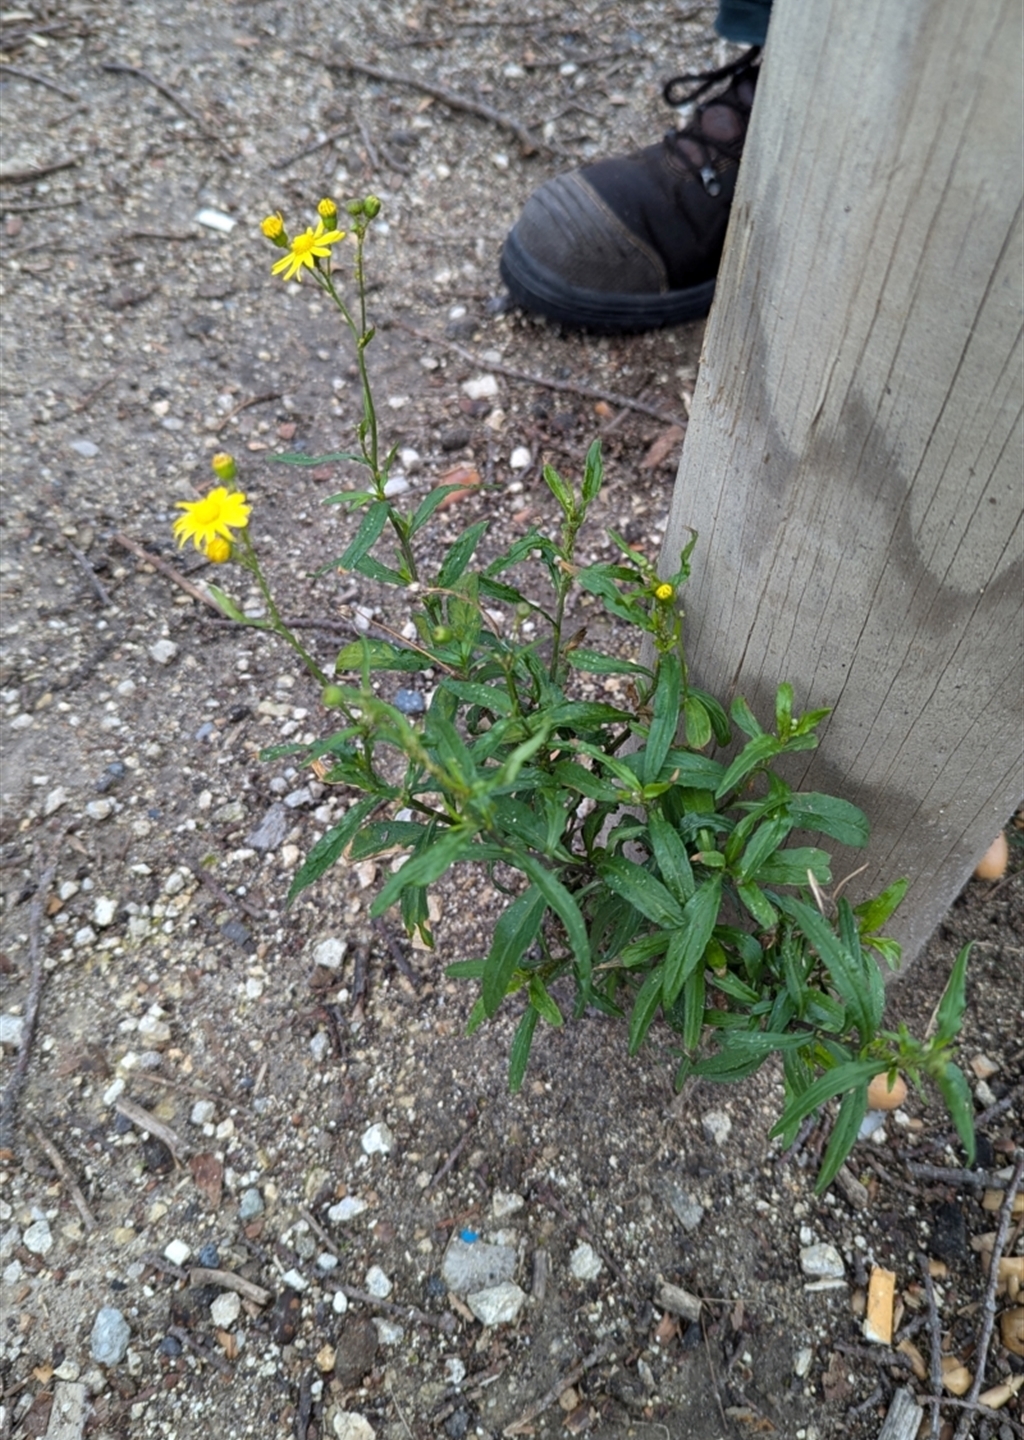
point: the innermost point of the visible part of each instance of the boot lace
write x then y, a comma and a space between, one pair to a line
711, 149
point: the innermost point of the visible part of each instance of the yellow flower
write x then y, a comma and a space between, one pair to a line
273, 228
223, 465
216, 514
664, 592
218, 550
328, 211
306, 250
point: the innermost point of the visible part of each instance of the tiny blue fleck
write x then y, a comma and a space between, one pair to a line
410, 702
469, 1236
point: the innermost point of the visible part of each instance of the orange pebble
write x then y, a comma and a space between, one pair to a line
992, 865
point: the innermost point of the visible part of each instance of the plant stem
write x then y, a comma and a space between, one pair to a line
278, 626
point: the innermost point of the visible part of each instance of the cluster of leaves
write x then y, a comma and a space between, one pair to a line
645, 874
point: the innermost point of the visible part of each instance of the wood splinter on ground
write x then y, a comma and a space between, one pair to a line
881, 1296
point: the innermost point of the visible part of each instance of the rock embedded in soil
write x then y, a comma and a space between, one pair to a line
108, 1342
356, 1348
38, 1238
822, 1262
471, 1266
378, 1139
498, 1304
584, 1262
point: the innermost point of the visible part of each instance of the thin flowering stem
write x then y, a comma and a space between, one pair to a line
252, 564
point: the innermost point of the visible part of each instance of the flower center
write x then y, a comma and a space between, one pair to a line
207, 512
303, 244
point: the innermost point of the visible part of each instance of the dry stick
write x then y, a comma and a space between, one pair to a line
233, 902
88, 398
989, 1305
934, 1400
36, 172
201, 1275
395, 951
144, 1120
60, 1165
8, 1104
310, 149
165, 569
404, 1312
949, 1175
181, 1334
523, 1426
455, 102
453, 1155
117, 67
38, 80
711, 1368
247, 405
93, 578
592, 392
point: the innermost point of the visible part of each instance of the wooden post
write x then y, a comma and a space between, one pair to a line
854, 460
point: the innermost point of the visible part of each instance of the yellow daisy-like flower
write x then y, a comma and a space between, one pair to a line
215, 515
306, 250
273, 228
664, 592
218, 550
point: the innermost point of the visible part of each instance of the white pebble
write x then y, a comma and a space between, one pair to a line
38, 1238
346, 1209
520, 458
584, 1262
202, 1112
378, 1139
226, 1309
163, 651
12, 1030
480, 387
55, 800
104, 911
99, 809
177, 1252
377, 1283
716, 1125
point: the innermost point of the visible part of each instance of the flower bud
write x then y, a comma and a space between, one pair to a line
355, 207
664, 592
224, 466
218, 550
328, 212
371, 207
332, 697
273, 229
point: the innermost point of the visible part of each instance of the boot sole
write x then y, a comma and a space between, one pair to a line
541, 291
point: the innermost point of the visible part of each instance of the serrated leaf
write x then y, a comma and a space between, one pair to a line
517, 928
327, 849
519, 1054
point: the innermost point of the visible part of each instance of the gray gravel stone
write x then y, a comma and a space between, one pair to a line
250, 1205
110, 1335
38, 1238
163, 651
498, 1304
470, 1266
823, 1262
271, 830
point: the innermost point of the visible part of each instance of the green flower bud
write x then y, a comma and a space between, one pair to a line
371, 207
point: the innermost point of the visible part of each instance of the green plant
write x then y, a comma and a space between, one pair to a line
644, 876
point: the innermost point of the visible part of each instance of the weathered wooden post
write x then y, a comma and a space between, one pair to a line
854, 462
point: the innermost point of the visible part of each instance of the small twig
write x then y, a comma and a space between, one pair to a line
246, 405
453, 1155
394, 1401
92, 577
949, 1175
711, 1368
404, 1312
310, 149
590, 392
179, 239
38, 80
464, 103
371, 151
165, 1266
524, 1425
60, 1165
117, 67
181, 1334
549, 1198
395, 951
9, 1102
233, 902
91, 395
144, 1120
934, 1400
36, 172
989, 1304
319, 1231
359, 978
304, 1409
167, 569
872, 1400
227, 1279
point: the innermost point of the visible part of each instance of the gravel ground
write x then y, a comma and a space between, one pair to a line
287, 1099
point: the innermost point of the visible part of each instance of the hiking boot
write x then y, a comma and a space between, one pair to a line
633, 242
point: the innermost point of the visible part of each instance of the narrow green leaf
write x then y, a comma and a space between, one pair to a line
642, 890
645, 1007
719, 719
954, 999
753, 754
460, 554
852, 1110
378, 655
665, 719
560, 490
762, 845
873, 913
304, 460
372, 839
585, 782
435, 855
758, 904
519, 1054
700, 914
327, 849
670, 854
372, 568
957, 1095
789, 866
543, 1003
429, 504
593, 473
873, 986
488, 697
843, 1077
846, 974
784, 710
373, 523
563, 905
516, 930
832, 816
594, 663
227, 606
744, 717
698, 722
693, 1013
465, 969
